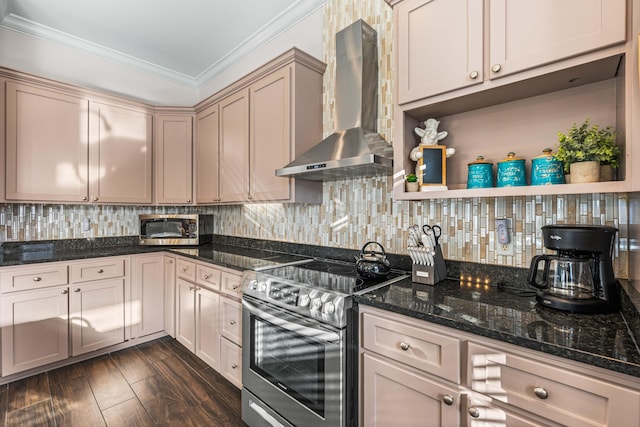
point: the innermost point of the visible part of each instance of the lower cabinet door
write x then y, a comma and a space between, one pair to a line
96, 315
395, 395
186, 314
207, 327
231, 361
148, 294
35, 329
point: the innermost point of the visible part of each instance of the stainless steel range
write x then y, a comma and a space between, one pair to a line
300, 344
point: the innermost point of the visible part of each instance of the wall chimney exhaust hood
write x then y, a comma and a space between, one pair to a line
354, 149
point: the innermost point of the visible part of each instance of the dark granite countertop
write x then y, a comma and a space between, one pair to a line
604, 340
513, 316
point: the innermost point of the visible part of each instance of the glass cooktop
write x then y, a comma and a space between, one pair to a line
337, 276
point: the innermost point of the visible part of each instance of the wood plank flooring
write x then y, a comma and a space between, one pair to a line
159, 383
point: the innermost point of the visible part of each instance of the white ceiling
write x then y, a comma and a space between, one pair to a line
190, 41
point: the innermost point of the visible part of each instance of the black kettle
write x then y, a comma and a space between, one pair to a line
371, 263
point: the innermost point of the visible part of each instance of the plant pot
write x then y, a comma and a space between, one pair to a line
582, 172
412, 186
606, 173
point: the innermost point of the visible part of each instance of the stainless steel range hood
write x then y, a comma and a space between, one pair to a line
354, 149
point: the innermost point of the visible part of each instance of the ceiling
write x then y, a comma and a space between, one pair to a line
190, 41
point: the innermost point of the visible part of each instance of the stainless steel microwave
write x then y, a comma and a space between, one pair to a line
169, 229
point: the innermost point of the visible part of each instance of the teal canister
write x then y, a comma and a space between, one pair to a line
511, 171
546, 170
480, 173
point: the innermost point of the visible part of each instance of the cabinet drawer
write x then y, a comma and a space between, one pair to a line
186, 269
208, 276
409, 341
34, 278
103, 269
230, 319
563, 396
231, 362
231, 284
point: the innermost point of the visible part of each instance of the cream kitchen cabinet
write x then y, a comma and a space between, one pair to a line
170, 295
207, 163
148, 294
521, 36
504, 62
409, 365
66, 147
53, 311
197, 316
259, 124
174, 159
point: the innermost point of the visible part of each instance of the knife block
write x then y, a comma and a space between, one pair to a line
430, 274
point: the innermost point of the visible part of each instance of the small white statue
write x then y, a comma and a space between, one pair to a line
429, 136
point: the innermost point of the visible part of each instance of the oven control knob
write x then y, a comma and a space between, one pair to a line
253, 284
316, 304
328, 308
304, 300
262, 287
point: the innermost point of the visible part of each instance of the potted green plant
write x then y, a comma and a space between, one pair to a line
584, 148
412, 182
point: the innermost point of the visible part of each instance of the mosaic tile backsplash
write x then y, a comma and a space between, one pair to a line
357, 210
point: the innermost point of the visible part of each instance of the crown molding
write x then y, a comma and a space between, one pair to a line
297, 11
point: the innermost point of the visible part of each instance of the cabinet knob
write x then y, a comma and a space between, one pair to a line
100, 271
95, 199
232, 322
184, 269
540, 393
474, 75
447, 399
404, 346
236, 286
234, 366
64, 291
191, 288
37, 279
76, 290
85, 198
496, 68
170, 261
206, 276
188, 200
474, 412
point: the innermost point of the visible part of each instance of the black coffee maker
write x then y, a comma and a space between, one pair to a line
579, 278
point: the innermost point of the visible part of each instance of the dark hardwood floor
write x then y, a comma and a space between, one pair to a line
159, 383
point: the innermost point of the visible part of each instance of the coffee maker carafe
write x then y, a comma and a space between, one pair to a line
579, 278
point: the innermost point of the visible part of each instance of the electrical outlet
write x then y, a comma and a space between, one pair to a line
504, 238
86, 224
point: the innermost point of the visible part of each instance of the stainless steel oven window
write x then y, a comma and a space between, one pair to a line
292, 362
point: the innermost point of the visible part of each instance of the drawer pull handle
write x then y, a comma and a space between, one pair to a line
234, 366
540, 393
37, 279
474, 412
100, 271
232, 322
404, 346
64, 291
76, 290
447, 399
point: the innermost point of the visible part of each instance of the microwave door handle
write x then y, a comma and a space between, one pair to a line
316, 333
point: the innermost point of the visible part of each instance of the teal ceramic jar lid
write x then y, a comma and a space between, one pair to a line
546, 170
480, 173
511, 171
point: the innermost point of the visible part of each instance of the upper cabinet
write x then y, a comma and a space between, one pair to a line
65, 147
519, 36
506, 75
259, 124
174, 159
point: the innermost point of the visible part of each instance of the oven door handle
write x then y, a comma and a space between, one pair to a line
317, 333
